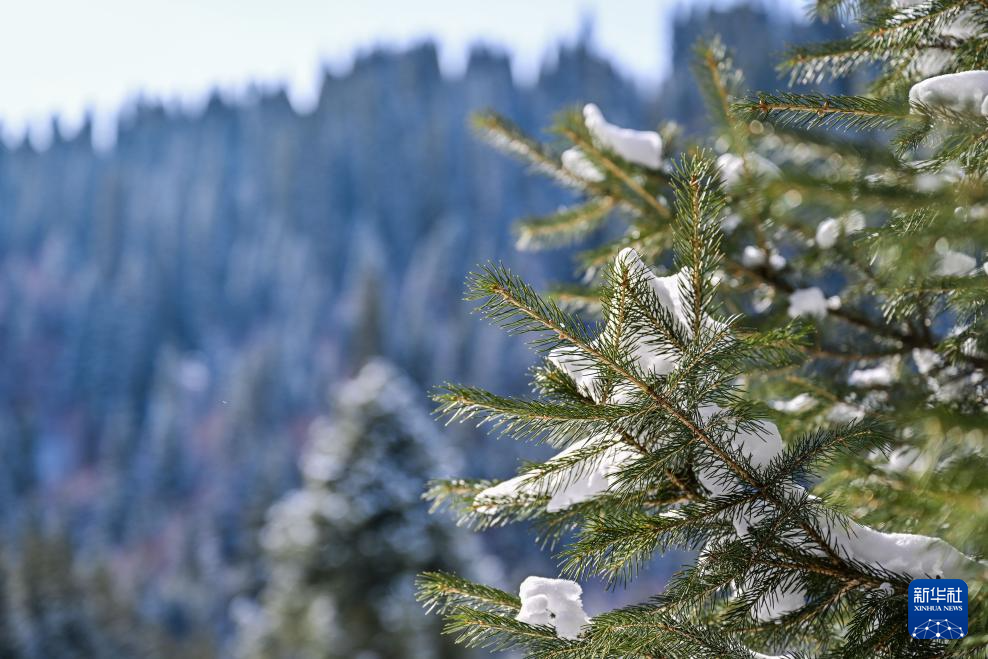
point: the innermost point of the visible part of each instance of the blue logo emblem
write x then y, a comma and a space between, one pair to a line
938, 609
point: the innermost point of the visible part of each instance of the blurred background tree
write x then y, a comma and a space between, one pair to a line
343, 550
52, 605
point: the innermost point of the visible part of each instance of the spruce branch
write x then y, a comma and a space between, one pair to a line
613, 168
564, 227
834, 59
718, 80
809, 452
893, 36
818, 110
510, 302
442, 592
532, 420
478, 628
699, 204
519, 308
511, 140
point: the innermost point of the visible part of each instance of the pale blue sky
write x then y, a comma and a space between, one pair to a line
64, 57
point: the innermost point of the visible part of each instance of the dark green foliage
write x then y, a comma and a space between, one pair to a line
878, 387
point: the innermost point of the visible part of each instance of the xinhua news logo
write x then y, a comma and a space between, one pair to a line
938, 609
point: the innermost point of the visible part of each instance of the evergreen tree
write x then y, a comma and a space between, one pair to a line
802, 398
51, 608
343, 549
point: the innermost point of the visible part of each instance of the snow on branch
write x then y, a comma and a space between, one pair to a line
738, 458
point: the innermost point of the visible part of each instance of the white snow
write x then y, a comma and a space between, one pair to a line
566, 486
905, 459
668, 292
926, 360
752, 257
732, 167
879, 376
642, 147
759, 444
947, 383
828, 231
554, 602
576, 163
955, 264
962, 92
916, 556
844, 413
929, 182
807, 302
796, 405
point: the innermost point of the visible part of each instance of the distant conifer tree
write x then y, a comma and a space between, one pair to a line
344, 548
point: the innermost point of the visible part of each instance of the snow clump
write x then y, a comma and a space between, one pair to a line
807, 302
828, 231
553, 602
641, 147
965, 92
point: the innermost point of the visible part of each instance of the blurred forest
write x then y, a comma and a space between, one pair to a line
174, 314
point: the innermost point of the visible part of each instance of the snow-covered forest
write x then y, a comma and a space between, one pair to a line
177, 314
